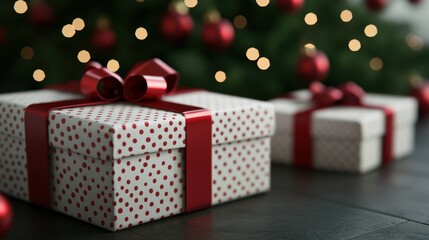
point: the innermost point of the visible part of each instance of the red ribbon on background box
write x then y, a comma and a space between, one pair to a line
144, 85
348, 94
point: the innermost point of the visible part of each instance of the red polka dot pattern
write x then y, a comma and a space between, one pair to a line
135, 190
119, 130
12, 108
121, 165
13, 169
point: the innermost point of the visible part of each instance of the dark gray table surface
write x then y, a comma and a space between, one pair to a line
389, 203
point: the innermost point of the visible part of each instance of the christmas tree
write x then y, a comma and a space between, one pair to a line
246, 48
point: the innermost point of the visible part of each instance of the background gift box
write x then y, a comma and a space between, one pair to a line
345, 138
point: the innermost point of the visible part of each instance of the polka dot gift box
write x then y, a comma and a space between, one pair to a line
342, 129
118, 165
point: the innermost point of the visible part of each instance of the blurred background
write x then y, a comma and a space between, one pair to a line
252, 48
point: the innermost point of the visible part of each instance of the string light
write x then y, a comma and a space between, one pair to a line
240, 21
83, 56
220, 76
39, 75
141, 33
414, 42
354, 45
27, 53
262, 3
68, 31
263, 63
376, 64
252, 54
78, 24
191, 3
346, 15
371, 30
20, 7
113, 65
309, 48
310, 18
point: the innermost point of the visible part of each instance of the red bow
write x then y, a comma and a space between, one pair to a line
347, 94
147, 80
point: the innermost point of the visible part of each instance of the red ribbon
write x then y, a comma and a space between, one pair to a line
144, 85
348, 94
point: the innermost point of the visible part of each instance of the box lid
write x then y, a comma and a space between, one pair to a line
122, 129
404, 107
337, 121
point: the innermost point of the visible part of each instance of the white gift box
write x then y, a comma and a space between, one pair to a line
120, 165
345, 138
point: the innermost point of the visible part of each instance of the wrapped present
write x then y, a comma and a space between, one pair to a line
342, 129
117, 164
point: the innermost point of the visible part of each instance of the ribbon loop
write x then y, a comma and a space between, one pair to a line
353, 94
100, 83
347, 94
147, 80
156, 67
140, 87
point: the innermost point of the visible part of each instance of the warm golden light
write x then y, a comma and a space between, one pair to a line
113, 65
39, 75
416, 80
68, 31
78, 24
220, 76
414, 42
191, 3
370, 30
141, 33
27, 53
252, 54
310, 18
376, 64
84, 56
20, 7
263, 63
240, 21
309, 48
354, 45
346, 15
262, 3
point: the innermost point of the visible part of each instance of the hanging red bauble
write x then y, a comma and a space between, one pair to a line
218, 34
376, 5
103, 39
290, 6
421, 94
414, 1
6, 216
313, 66
177, 24
41, 14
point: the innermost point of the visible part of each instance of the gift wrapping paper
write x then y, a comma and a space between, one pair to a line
120, 165
346, 139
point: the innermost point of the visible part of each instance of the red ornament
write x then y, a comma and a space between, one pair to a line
376, 5
290, 6
313, 66
41, 14
176, 26
218, 34
6, 216
103, 39
421, 94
